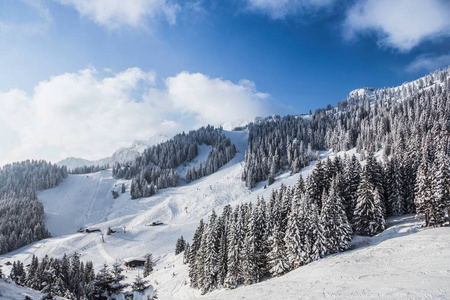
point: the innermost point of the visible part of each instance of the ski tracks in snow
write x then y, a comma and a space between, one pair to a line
88, 214
103, 253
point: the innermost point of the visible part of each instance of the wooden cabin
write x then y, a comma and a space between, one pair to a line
134, 262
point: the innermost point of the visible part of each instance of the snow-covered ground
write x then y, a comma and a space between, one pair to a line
11, 291
405, 261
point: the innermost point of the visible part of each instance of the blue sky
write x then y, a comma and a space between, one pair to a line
125, 70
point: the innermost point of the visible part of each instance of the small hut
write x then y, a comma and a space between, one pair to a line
133, 262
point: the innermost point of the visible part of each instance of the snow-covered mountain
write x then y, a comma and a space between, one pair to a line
73, 162
127, 154
374, 268
122, 155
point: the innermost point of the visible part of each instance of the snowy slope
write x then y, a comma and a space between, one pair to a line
11, 291
404, 262
86, 200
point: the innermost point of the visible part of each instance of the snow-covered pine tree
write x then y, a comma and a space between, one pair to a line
272, 172
139, 284
334, 224
254, 254
148, 265
424, 207
380, 210
211, 254
314, 184
223, 248
293, 236
102, 283
440, 188
199, 265
374, 172
117, 285
180, 245
395, 185
196, 242
352, 174
261, 236
75, 274
232, 278
277, 259
367, 213
299, 188
186, 253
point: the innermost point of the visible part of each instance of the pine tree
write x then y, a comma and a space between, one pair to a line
261, 237
440, 188
395, 185
232, 278
75, 274
277, 258
293, 237
102, 283
250, 267
423, 198
223, 248
352, 176
65, 270
117, 286
211, 254
148, 265
139, 284
186, 254
180, 246
314, 184
272, 173
196, 242
334, 224
368, 214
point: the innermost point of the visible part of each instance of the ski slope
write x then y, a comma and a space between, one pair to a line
395, 264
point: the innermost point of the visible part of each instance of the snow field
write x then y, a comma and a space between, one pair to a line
405, 261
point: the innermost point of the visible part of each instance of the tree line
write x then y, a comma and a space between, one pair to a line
73, 279
88, 169
21, 214
155, 168
315, 218
400, 120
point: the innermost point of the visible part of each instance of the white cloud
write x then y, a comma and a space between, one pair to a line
400, 24
213, 100
278, 9
429, 63
114, 14
87, 114
37, 21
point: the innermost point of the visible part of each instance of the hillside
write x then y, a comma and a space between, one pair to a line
404, 262
86, 201
10, 291
121, 155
